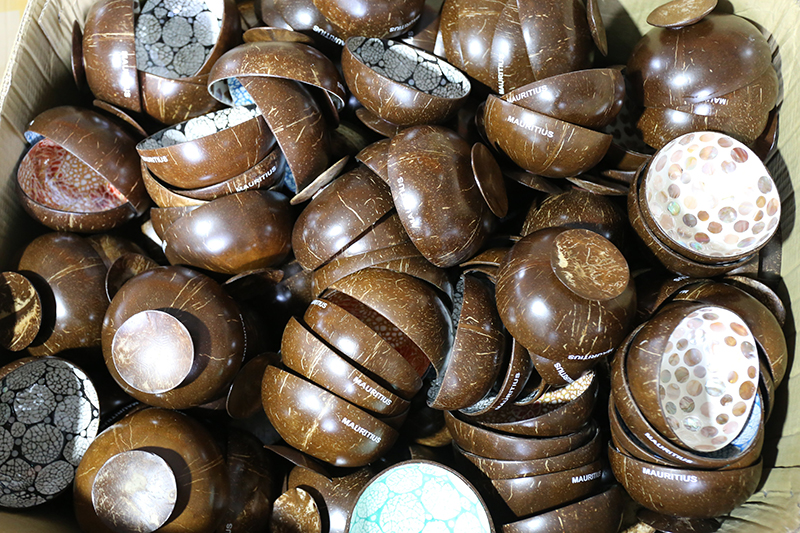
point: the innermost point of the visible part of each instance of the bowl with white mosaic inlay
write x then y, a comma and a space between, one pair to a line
153, 56
182, 38
416, 496
49, 414
208, 149
709, 197
694, 373
402, 84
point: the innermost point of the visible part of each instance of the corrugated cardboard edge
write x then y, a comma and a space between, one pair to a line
38, 77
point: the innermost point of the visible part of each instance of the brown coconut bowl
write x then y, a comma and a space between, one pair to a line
630, 416
404, 258
529, 495
507, 48
201, 306
162, 217
505, 469
421, 201
321, 424
265, 174
541, 144
313, 359
248, 230
417, 87
408, 304
558, 412
109, 32
757, 99
187, 155
277, 59
188, 449
69, 277
516, 370
99, 147
477, 349
685, 493
545, 295
356, 340
596, 514
370, 18
331, 211
163, 195
663, 69
590, 98
492, 444
659, 125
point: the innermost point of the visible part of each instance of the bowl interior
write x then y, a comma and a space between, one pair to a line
199, 127
54, 177
175, 38
410, 66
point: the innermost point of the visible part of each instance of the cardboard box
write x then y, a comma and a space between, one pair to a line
39, 77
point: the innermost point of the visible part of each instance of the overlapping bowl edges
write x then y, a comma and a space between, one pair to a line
362, 377
640, 456
187, 311
50, 414
558, 412
511, 469
311, 358
401, 84
357, 211
320, 423
590, 98
681, 492
760, 320
299, 92
599, 513
493, 444
346, 209
168, 50
704, 96
707, 232
510, 44
81, 172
